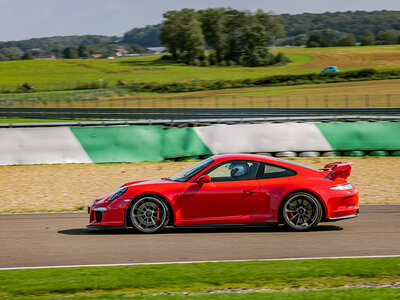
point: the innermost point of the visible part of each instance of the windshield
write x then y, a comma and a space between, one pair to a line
189, 172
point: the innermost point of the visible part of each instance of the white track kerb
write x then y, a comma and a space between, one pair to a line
195, 262
268, 137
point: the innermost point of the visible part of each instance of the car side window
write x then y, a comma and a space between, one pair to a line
234, 171
274, 171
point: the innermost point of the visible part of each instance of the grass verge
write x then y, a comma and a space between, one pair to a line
146, 280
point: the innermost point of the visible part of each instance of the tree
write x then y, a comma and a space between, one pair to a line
213, 25
134, 48
12, 53
348, 40
272, 24
27, 55
234, 22
318, 39
70, 52
181, 33
254, 46
83, 51
388, 37
368, 39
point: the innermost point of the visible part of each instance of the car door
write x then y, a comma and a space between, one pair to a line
226, 199
275, 181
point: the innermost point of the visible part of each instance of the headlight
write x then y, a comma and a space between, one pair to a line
117, 194
342, 187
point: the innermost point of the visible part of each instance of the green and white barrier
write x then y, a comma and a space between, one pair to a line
157, 143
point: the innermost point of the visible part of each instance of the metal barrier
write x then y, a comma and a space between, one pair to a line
187, 113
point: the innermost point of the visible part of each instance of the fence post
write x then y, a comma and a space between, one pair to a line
346, 101
233, 101
366, 100
388, 100
251, 101
287, 101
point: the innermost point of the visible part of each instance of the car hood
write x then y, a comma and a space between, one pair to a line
133, 184
147, 182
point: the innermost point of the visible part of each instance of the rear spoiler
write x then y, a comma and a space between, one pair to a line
338, 170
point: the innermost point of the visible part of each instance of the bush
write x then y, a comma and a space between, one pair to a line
310, 78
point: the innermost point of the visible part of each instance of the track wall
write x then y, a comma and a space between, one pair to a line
156, 142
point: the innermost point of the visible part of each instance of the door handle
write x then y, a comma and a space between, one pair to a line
250, 191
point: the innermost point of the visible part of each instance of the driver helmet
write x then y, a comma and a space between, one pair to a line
238, 168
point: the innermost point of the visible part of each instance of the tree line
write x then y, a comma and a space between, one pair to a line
232, 37
376, 27
59, 51
312, 30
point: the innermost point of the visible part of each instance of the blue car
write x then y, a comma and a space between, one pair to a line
330, 69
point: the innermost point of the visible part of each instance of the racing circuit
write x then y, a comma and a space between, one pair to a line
60, 239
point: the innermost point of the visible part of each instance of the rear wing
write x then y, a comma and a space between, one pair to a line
338, 170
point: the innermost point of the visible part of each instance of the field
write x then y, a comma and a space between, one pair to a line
73, 186
361, 278
64, 74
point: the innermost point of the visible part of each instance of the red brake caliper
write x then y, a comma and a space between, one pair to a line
158, 213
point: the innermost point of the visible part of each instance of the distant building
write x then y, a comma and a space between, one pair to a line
156, 50
121, 51
97, 55
44, 57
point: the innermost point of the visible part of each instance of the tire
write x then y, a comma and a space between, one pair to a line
149, 214
301, 211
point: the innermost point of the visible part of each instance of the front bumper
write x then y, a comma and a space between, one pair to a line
107, 215
334, 219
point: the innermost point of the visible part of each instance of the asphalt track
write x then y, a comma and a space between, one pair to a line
59, 239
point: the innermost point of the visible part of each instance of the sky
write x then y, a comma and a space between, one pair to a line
25, 19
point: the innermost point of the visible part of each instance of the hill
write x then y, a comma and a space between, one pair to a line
48, 43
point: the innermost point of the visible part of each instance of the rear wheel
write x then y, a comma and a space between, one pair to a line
301, 211
149, 214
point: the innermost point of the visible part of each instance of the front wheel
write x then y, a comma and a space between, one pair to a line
301, 211
149, 214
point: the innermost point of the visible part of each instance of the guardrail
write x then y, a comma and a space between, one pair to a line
187, 113
205, 122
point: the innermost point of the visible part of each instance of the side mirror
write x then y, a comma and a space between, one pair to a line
203, 179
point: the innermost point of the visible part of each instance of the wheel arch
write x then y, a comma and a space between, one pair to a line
280, 206
171, 212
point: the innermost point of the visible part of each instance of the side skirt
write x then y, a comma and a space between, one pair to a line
268, 224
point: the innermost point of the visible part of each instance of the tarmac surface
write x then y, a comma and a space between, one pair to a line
58, 239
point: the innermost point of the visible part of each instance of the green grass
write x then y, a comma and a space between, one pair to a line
63, 74
350, 294
198, 277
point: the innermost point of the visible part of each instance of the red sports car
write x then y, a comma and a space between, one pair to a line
231, 189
